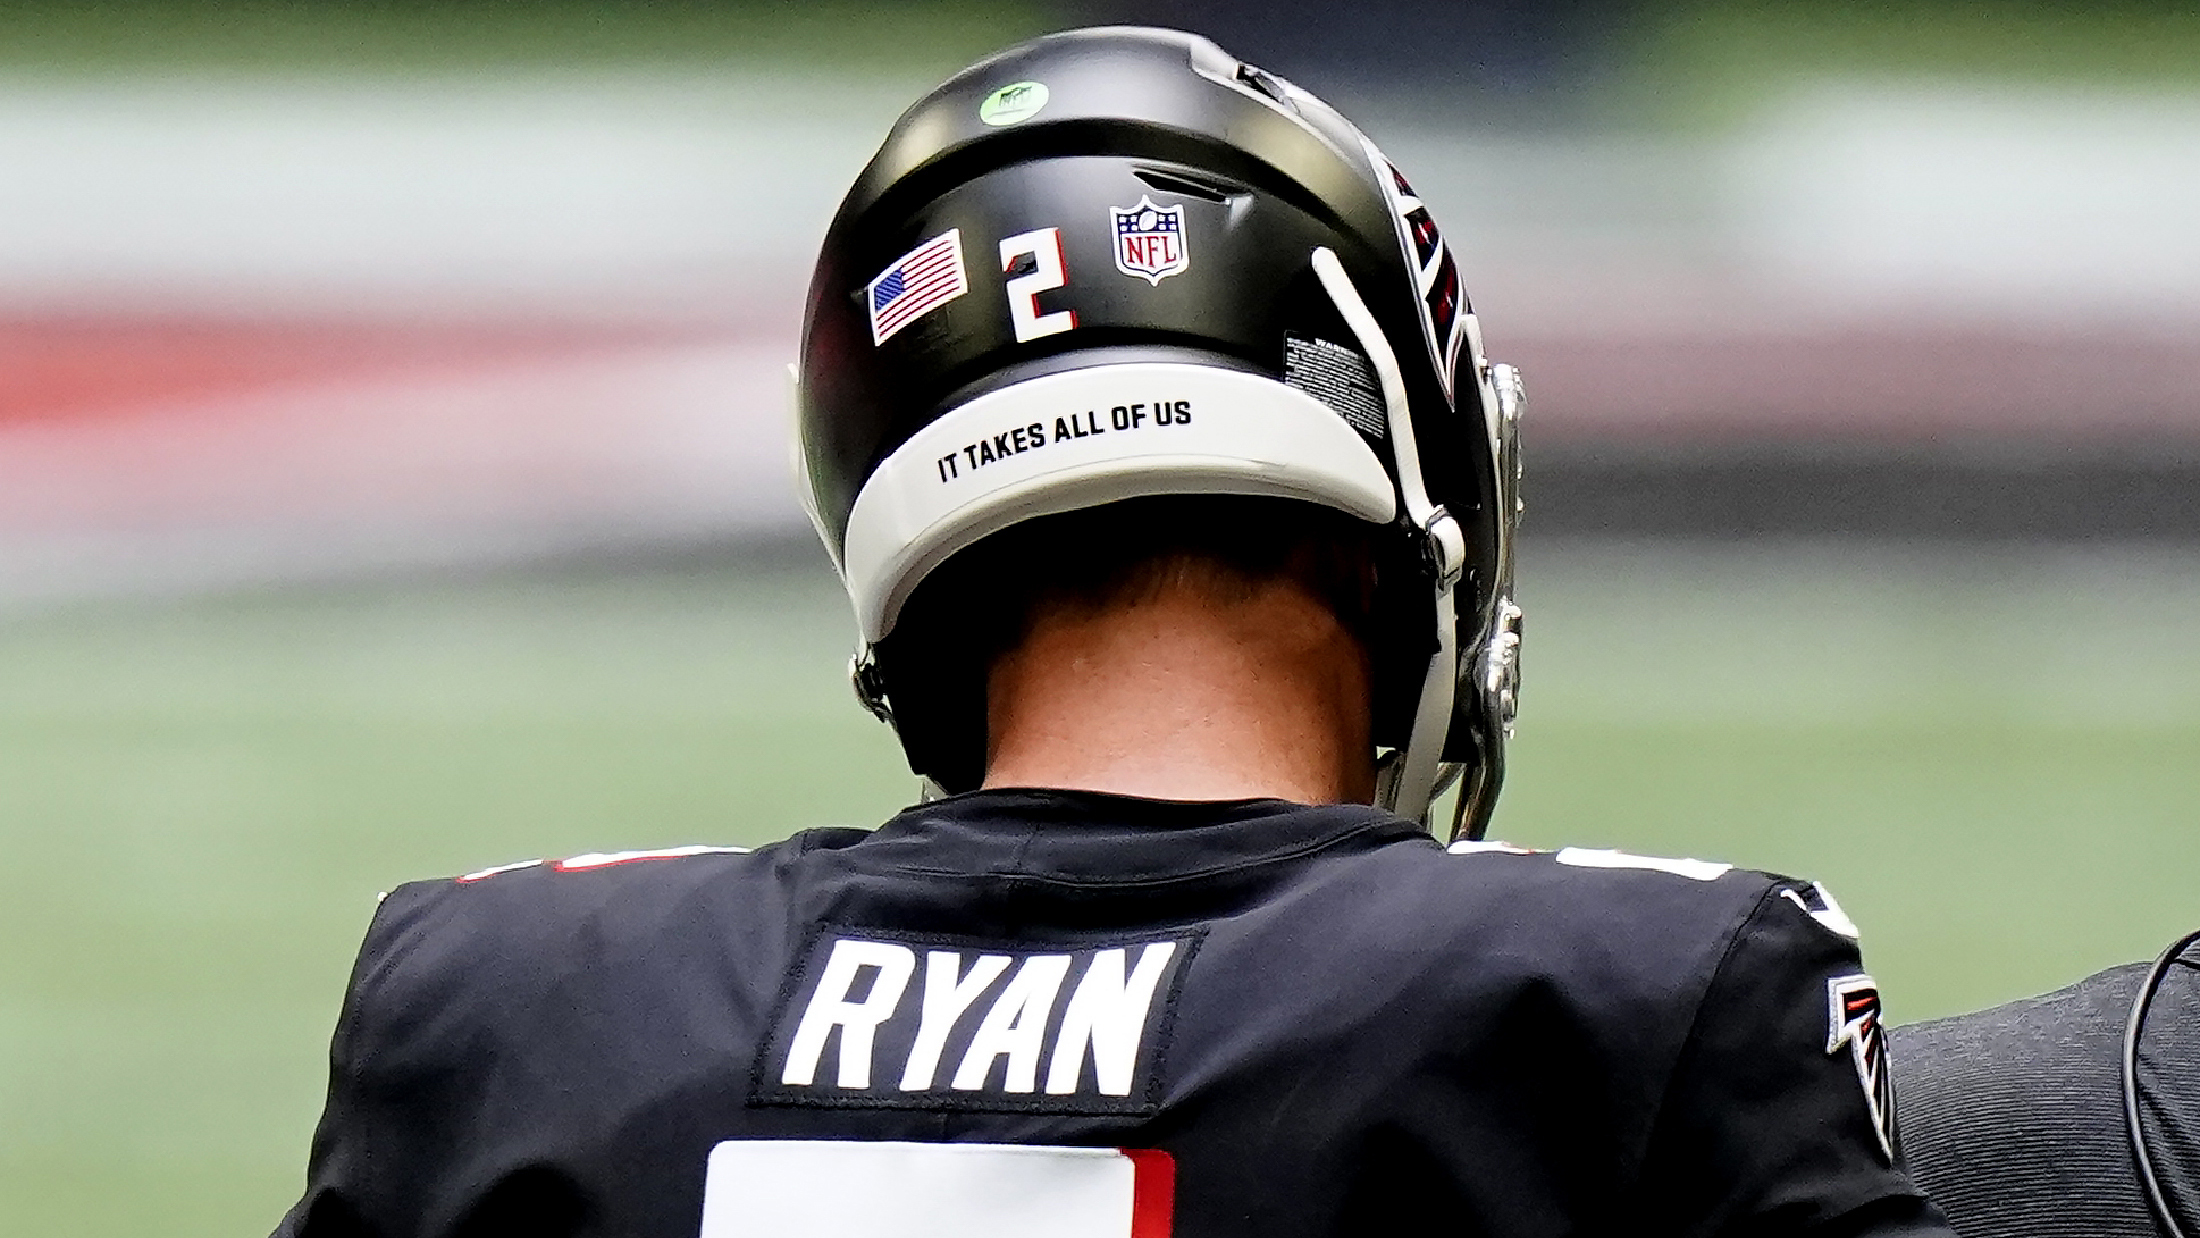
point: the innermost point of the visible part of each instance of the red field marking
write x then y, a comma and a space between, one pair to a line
60, 369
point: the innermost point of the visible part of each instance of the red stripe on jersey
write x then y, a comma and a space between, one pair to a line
1153, 1192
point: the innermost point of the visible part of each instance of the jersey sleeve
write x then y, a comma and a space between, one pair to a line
1779, 1115
377, 1165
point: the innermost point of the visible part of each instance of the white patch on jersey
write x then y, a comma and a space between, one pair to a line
604, 859
1596, 857
851, 1189
1828, 913
1479, 846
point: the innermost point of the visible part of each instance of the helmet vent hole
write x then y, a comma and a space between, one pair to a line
1204, 188
1265, 83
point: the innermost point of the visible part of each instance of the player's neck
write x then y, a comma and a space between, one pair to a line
1189, 696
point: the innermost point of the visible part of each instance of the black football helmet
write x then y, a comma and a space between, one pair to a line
1118, 262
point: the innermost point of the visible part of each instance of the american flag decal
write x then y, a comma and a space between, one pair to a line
1857, 1022
917, 283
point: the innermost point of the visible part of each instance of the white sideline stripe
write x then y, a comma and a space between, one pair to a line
839, 1189
588, 189
1248, 435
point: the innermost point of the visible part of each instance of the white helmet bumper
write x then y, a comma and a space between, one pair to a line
1080, 438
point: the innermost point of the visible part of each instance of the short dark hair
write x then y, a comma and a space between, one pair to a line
982, 602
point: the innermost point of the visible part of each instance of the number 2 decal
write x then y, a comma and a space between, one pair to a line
1045, 248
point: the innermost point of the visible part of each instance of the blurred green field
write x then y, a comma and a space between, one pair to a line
1992, 756
1687, 63
920, 37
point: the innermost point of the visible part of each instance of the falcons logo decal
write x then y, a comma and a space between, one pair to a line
1853, 1004
1444, 308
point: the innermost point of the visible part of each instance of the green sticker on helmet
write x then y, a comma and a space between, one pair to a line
1014, 102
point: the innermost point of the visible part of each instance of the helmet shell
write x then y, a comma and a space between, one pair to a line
1251, 175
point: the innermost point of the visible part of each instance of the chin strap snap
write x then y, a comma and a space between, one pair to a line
870, 686
1444, 548
1499, 670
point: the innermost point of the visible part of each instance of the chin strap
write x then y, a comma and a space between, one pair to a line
1409, 781
1497, 667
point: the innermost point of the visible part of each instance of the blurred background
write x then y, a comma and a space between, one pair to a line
393, 478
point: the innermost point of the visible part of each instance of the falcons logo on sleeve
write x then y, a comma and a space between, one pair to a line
1853, 1004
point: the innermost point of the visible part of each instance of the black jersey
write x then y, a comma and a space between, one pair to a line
1069, 1015
2016, 1113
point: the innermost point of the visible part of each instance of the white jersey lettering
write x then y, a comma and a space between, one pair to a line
946, 997
1015, 1028
986, 1025
857, 1020
1108, 1013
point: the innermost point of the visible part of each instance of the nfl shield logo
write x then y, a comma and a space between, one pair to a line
1149, 240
